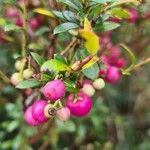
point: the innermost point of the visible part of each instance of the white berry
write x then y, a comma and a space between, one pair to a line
99, 84
88, 90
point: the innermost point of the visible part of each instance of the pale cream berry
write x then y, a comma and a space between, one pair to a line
27, 73
19, 65
88, 90
99, 84
16, 78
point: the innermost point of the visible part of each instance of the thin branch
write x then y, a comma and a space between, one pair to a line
24, 32
140, 64
4, 77
71, 44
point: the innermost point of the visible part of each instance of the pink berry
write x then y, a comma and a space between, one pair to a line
63, 114
38, 111
19, 22
121, 62
148, 15
87, 81
133, 15
54, 90
113, 74
11, 12
29, 117
79, 106
34, 23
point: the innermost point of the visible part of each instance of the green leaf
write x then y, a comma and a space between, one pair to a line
72, 3
39, 59
120, 2
70, 86
32, 83
130, 54
132, 59
46, 77
65, 27
11, 27
92, 72
102, 1
60, 58
119, 12
41, 31
55, 65
106, 26
69, 16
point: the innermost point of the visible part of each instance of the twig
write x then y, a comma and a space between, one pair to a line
140, 64
4, 77
79, 64
24, 32
71, 44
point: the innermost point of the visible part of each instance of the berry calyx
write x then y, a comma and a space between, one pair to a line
63, 114
79, 106
38, 111
50, 111
54, 90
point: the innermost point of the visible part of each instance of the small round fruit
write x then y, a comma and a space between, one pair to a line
99, 84
27, 73
54, 90
38, 111
88, 90
16, 78
19, 65
79, 106
29, 117
113, 75
63, 114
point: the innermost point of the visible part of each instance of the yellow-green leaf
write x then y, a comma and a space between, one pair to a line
87, 24
45, 12
91, 40
55, 65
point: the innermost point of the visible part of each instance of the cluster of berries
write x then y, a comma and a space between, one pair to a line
112, 60
78, 105
33, 23
21, 73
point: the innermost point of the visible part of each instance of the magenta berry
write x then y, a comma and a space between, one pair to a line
29, 117
113, 74
87, 81
11, 12
38, 111
63, 114
133, 15
54, 90
19, 22
34, 23
79, 106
